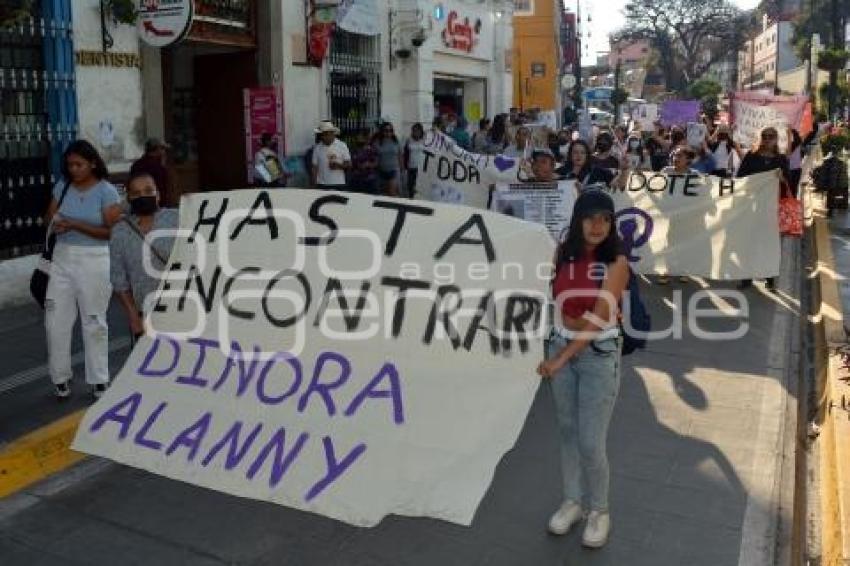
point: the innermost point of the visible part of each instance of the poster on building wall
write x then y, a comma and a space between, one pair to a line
752, 111
263, 115
549, 204
383, 369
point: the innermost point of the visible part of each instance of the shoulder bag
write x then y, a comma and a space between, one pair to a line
40, 278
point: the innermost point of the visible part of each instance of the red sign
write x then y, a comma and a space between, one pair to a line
263, 114
461, 35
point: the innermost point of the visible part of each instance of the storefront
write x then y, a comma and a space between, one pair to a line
470, 75
201, 84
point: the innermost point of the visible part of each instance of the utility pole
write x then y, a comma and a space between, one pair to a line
617, 71
833, 73
577, 95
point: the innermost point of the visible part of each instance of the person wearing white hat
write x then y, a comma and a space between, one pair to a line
331, 159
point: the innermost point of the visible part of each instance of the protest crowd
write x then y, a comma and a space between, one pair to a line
103, 247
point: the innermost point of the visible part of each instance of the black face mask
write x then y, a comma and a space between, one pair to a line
143, 206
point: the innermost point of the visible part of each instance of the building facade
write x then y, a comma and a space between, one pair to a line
80, 73
766, 56
537, 65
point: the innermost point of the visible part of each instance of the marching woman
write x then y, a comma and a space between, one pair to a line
79, 276
583, 361
766, 156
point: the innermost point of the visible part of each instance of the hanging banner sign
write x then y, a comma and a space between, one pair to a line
453, 175
751, 112
549, 204
702, 226
336, 353
359, 16
164, 22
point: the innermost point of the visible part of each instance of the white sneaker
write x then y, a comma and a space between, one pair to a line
597, 529
567, 515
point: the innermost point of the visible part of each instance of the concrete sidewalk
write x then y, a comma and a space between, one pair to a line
26, 393
696, 448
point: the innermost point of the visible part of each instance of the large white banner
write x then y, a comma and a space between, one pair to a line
677, 224
453, 175
341, 354
703, 226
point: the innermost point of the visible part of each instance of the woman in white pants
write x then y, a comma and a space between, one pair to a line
79, 276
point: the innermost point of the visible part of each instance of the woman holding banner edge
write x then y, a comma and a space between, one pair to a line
766, 156
583, 361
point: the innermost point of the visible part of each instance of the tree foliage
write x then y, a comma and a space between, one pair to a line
816, 17
13, 11
704, 88
689, 35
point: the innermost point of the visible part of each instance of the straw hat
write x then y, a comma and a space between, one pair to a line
326, 126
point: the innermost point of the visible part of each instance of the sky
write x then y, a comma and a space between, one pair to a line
606, 17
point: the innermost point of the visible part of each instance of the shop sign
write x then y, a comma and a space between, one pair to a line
164, 22
461, 34
107, 59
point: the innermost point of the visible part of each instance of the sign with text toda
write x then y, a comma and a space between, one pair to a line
336, 353
164, 22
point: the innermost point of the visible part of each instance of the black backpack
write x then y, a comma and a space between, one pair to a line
640, 323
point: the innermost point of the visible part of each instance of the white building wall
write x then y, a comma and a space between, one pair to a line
109, 98
407, 85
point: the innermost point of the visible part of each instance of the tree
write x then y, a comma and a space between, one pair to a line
13, 11
816, 17
704, 88
707, 91
689, 35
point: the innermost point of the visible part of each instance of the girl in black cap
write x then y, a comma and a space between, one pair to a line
583, 361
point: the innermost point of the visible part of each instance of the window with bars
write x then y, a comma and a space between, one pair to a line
37, 121
354, 86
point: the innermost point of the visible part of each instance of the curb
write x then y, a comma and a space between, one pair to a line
833, 402
36, 455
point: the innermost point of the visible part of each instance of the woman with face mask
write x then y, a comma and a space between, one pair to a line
637, 157
139, 249
81, 214
604, 157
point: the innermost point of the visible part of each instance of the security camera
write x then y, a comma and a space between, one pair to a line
403, 53
419, 38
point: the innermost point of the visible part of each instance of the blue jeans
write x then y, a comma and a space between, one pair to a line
584, 392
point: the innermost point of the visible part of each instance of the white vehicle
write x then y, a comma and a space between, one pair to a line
600, 117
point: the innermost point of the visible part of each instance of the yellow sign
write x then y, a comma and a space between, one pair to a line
108, 59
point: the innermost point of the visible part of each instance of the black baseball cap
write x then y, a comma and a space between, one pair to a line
593, 201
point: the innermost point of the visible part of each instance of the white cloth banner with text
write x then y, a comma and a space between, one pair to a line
336, 353
453, 175
703, 226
